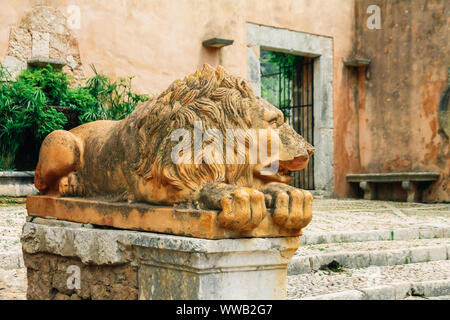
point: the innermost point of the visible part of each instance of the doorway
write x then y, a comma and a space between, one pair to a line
319, 50
287, 81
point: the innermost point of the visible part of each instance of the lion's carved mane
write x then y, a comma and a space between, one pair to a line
215, 98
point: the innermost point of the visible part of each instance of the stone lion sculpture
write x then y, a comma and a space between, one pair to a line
133, 159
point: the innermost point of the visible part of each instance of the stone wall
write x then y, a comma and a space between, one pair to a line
161, 40
47, 279
43, 33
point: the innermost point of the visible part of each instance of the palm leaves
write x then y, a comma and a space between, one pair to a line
25, 105
103, 98
23, 110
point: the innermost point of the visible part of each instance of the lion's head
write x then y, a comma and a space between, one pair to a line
212, 102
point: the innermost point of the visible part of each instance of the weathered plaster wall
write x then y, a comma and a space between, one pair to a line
387, 121
394, 107
160, 40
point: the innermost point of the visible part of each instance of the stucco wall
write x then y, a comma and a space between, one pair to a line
393, 108
160, 40
384, 120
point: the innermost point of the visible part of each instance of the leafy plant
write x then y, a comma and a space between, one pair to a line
282, 59
102, 98
26, 111
23, 113
5, 76
53, 84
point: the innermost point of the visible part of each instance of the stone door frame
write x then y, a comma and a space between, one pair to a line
321, 49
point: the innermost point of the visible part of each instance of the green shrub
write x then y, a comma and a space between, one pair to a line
103, 98
23, 113
86, 105
26, 112
54, 84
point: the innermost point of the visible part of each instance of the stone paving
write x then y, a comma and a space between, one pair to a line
350, 226
343, 279
358, 249
333, 248
363, 215
12, 274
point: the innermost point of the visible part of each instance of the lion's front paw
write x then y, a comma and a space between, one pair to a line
63, 186
293, 208
69, 185
243, 209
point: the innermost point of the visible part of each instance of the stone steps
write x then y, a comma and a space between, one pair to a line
346, 220
413, 233
373, 250
427, 298
364, 254
434, 289
424, 280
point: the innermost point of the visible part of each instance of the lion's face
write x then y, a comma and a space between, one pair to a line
212, 100
294, 150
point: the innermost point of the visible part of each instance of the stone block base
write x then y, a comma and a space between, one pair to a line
119, 264
47, 279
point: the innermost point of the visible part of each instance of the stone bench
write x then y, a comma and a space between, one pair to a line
410, 182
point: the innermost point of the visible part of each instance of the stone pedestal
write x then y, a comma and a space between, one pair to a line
67, 260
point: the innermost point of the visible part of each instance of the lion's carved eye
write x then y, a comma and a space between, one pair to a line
273, 122
271, 117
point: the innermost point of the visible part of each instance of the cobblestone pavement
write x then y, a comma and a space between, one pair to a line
330, 248
362, 215
355, 225
12, 274
343, 279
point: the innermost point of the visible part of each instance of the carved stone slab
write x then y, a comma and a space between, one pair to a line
138, 216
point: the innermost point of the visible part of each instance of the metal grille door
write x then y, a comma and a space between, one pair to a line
295, 99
